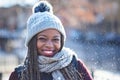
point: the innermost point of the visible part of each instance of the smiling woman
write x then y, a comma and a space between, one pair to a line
47, 57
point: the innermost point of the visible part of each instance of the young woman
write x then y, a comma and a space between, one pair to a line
47, 58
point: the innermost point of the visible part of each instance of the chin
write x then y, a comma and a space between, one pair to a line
49, 55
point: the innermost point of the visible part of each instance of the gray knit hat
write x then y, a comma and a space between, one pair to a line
42, 19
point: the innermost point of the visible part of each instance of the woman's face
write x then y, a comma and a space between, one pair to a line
48, 42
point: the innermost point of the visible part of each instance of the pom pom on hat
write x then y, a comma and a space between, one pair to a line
42, 6
42, 19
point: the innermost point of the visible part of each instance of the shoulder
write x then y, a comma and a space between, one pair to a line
81, 63
84, 70
78, 63
19, 69
15, 75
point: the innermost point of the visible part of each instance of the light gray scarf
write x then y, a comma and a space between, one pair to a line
58, 61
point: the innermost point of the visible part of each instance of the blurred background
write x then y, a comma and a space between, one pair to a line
92, 27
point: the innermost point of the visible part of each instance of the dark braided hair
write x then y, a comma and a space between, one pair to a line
31, 71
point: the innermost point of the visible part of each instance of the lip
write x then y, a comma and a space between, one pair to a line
48, 53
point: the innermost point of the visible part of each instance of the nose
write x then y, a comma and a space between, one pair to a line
49, 44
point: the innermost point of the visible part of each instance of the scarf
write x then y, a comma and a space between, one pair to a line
55, 63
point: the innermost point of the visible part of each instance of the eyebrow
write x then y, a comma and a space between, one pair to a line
56, 36
46, 36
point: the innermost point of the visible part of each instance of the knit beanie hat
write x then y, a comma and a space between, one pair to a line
42, 19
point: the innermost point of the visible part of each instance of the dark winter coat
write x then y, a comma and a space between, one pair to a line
47, 76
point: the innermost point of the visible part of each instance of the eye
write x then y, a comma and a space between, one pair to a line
42, 39
56, 40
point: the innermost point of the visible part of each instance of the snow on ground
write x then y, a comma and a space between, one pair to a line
106, 75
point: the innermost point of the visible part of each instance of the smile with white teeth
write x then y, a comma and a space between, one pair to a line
48, 52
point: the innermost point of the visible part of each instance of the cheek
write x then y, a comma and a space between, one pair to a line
38, 45
58, 46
